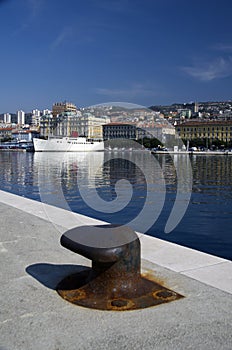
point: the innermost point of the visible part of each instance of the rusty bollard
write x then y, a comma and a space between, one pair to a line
114, 282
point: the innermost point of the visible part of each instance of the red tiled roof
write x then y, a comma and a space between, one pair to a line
119, 124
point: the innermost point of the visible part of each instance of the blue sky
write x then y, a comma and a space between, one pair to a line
95, 51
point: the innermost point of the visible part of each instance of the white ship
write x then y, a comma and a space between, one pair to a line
67, 144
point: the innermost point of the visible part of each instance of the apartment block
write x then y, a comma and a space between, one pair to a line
20, 117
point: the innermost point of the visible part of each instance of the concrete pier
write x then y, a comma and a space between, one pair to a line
34, 316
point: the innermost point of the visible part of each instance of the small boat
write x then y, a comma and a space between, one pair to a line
67, 144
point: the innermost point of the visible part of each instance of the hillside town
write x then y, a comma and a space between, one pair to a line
204, 125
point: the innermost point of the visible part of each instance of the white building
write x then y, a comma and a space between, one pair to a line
36, 117
7, 118
46, 111
20, 117
36, 112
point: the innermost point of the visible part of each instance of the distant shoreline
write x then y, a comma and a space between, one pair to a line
13, 150
208, 153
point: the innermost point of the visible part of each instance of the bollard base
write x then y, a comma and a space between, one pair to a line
84, 290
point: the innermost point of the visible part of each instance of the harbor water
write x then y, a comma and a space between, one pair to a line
119, 187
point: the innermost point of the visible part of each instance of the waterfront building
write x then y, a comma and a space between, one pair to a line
47, 125
64, 124
163, 132
206, 129
20, 117
122, 131
5, 132
24, 135
91, 126
63, 107
73, 124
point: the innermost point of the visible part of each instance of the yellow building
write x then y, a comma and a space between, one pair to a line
206, 129
91, 126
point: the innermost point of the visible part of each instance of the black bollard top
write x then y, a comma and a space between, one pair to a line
101, 242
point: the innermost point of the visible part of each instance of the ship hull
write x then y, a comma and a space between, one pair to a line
66, 144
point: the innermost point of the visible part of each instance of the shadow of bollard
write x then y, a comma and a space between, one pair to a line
50, 274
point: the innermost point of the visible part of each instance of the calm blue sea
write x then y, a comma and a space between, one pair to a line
146, 187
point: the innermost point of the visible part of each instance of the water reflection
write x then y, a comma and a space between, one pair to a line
57, 175
212, 175
17, 173
110, 187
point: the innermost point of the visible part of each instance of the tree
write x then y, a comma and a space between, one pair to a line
6, 139
150, 142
